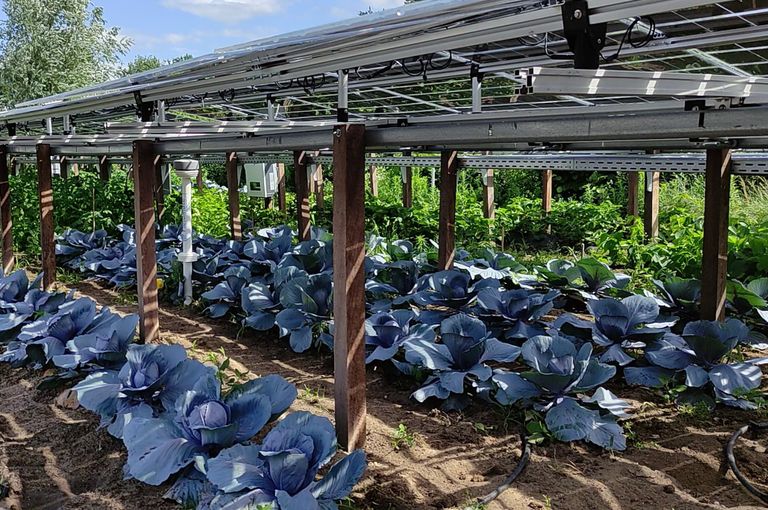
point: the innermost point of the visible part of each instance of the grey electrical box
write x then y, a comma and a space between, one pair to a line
261, 180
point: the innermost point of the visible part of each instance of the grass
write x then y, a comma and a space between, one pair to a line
401, 438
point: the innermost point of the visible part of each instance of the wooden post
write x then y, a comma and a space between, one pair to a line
6, 222
233, 185
449, 165
716, 211
349, 284
281, 201
407, 178
64, 167
652, 204
47, 235
14, 167
105, 168
546, 191
489, 195
159, 191
319, 188
633, 180
146, 258
200, 185
374, 174
302, 195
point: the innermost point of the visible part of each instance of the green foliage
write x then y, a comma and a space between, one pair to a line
51, 46
82, 202
402, 438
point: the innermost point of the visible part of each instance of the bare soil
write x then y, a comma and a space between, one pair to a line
54, 457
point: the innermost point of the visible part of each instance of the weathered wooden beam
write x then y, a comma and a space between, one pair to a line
146, 259
633, 181
233, 185
6, 222
373, 173
14, 168
319, 188
200, 184
489, 194
301, 163
407, 178
546, 191
105, 168
651, 204
349, 284
282, 204
717, 199
47, 235
449, 165
64, 168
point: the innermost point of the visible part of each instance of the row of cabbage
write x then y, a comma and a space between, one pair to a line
177, 422
547, 340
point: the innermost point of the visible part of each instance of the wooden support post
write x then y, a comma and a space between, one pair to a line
302, 195
146, 258
159, 191
349, 284
374, 174
449, 165
6, 222
47, 235
319, 188
14, 168
281, 201
716, 212
233, 185
407, 178
64, 168
489, 195
633, 181
105, 168
546, 191
652, 204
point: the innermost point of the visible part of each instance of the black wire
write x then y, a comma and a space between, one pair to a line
422, 67
731, 459
521, 465
627, 37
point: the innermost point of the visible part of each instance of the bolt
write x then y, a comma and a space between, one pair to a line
577, 14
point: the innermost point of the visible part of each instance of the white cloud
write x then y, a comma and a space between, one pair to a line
226, 10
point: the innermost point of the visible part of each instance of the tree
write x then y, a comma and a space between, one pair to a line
148, 62
51, 46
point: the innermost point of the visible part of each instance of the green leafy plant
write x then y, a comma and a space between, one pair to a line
402, 438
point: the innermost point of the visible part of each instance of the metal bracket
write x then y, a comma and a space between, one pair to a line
143, 109
474, 72
484, 175
11, 129
585, 40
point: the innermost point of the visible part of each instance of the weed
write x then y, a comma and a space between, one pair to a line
311, 395
547, 502
402, 438
699, 411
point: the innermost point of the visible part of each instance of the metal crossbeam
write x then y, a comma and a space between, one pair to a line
604, 82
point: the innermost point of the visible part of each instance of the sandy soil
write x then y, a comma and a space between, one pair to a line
53, 457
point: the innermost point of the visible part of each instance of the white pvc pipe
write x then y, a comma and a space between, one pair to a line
187, 170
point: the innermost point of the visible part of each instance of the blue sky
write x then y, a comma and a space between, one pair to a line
169, 28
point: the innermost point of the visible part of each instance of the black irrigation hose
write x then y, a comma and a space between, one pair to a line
731, 459
521, 465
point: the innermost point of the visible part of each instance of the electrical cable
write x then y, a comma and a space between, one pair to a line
627, 37
731, 458
521, 465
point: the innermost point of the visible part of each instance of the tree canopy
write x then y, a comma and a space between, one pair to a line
50, 46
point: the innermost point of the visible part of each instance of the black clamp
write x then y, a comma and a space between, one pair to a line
11, 127
474, 72
585, 40
144, 110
